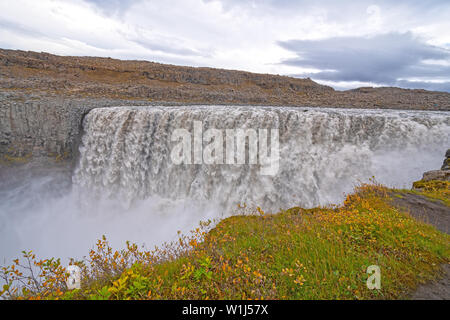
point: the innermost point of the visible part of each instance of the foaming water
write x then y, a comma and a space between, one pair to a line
42, 213
126, 187
125, 153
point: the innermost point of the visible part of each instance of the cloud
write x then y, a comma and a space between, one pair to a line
19, 28
250, 35
427, 85
388, 59
118, 7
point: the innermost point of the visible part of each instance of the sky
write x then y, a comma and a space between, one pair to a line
344, 44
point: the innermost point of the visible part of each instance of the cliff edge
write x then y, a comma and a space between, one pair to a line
43, 97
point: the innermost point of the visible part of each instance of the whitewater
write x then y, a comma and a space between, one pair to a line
125, 186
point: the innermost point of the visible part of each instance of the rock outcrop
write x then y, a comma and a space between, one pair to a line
44, 127
446, 164
442, 175
435, 176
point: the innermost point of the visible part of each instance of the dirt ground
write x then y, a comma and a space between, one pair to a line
437, 214
422, 208
436, 290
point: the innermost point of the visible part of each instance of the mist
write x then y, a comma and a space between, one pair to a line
123, 187
41, 211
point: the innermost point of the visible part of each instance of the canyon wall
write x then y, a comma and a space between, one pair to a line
43, 97
44, 128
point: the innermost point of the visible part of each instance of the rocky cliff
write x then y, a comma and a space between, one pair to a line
44, 127
43, 97
433, 178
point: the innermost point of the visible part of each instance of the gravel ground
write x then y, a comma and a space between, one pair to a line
437, 214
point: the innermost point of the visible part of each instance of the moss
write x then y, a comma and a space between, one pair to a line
433, 189
431, 185
8, 159
60, 156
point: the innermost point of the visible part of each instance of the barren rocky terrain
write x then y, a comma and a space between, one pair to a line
118, 79
43, 97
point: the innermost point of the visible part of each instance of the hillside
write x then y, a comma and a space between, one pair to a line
320, 253
80, 77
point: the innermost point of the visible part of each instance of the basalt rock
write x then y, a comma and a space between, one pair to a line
446, 164
44, 128
435, 175
442, 175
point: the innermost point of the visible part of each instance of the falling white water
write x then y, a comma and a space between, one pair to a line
125, 153
126, 187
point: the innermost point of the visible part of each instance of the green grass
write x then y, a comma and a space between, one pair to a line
433, 189
320, 253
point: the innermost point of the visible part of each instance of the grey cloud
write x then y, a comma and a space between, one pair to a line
440, 86
158, 45
53, 36
381, 59
18, 28
328, 3
342, 8
163, 45
113, 6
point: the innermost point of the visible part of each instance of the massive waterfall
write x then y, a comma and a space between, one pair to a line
125, 153
126, 186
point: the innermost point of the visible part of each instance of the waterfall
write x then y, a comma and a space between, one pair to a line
125, 154
126, 186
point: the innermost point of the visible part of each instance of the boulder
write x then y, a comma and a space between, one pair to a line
435, 176
443, 175
446, 164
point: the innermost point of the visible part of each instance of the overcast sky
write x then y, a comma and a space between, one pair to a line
344, 44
